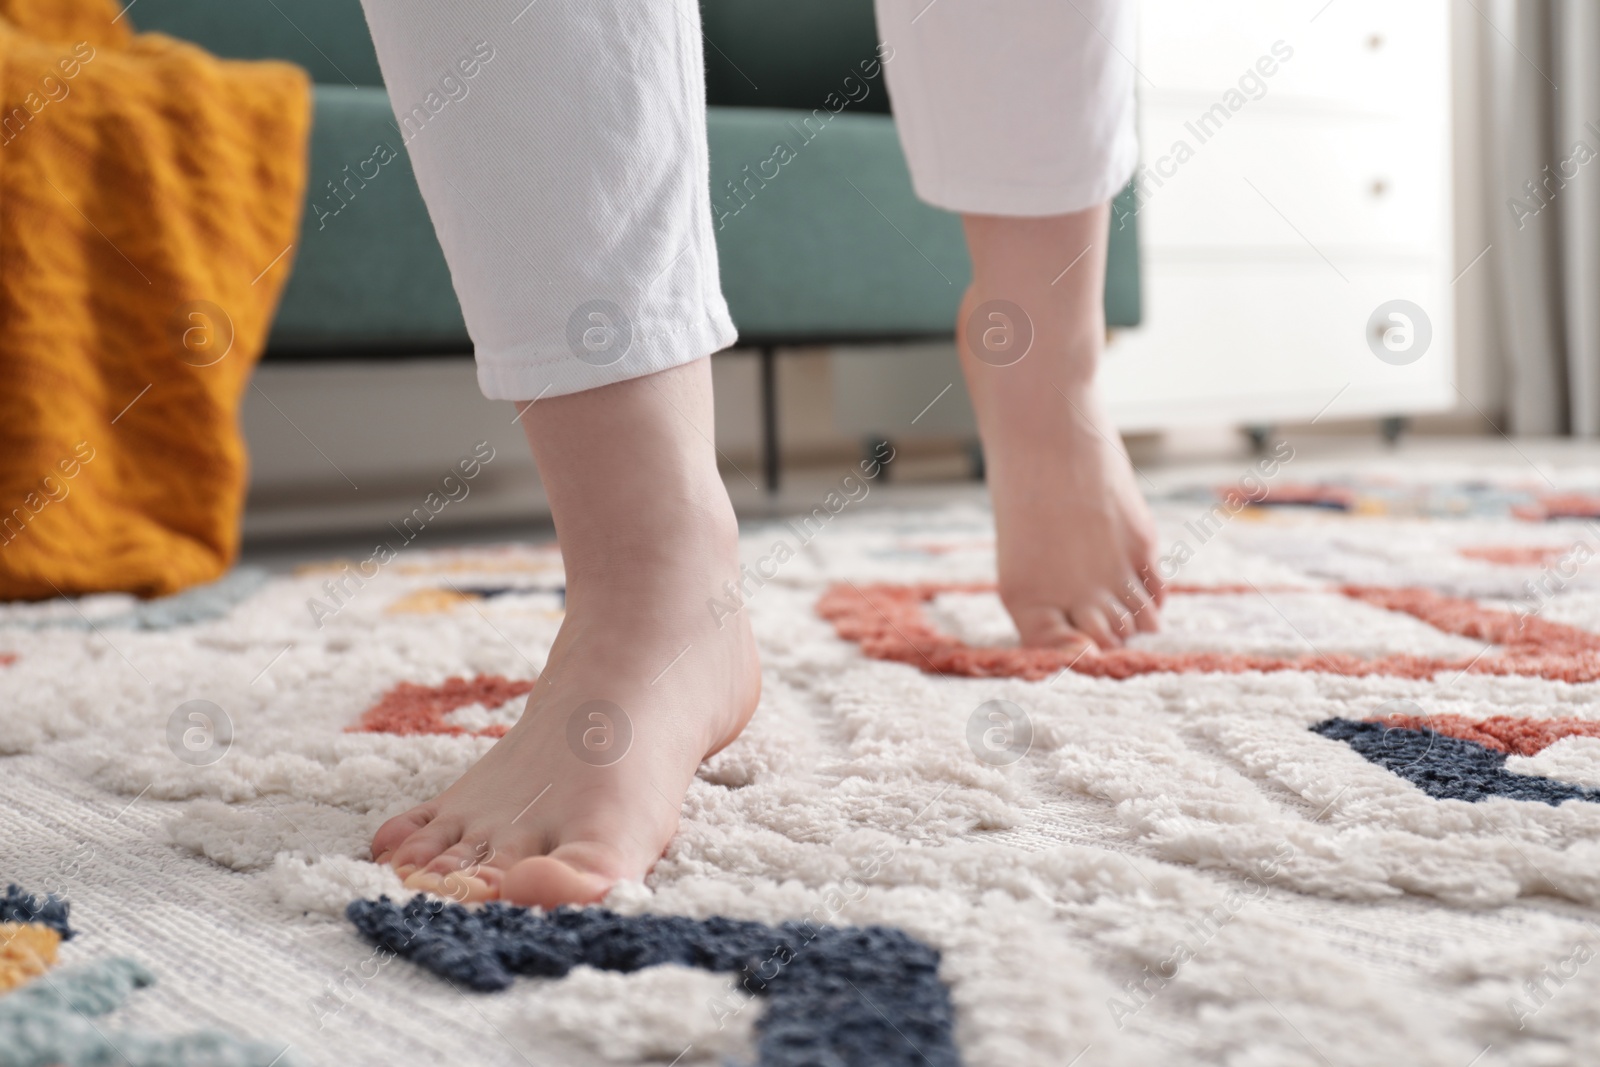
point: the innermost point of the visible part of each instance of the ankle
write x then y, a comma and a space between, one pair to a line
1063, 349
660, 547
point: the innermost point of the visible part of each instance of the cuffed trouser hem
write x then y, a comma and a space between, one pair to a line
539, 372
1013, 107
1025, 201
562, 156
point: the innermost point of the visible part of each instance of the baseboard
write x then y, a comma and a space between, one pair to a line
353, 447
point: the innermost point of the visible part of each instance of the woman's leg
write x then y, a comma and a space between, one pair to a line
1020, 117
643, 681
561, 152
1074, 539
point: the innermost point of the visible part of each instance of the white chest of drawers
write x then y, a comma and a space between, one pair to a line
1295, 177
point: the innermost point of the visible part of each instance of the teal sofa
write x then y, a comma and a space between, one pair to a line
836, 248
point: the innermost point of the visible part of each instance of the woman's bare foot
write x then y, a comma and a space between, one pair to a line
1074, 539
643, 681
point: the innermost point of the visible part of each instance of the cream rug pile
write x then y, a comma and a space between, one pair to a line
1343, 810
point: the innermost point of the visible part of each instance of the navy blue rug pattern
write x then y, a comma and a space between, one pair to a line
1447, 768
867, 996
20, 907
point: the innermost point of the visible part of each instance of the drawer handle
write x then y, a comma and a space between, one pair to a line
1375, 41
1379, 187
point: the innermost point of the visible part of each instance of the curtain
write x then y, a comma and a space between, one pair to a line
1542, 70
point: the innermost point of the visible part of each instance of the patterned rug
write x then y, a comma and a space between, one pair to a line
1344, 809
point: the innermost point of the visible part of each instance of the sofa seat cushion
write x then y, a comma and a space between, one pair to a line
819, 233
368, 273
327, 37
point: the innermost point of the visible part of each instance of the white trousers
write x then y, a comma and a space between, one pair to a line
561, 150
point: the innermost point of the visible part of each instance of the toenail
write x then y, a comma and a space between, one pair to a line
423, 880
383, 857
405, 870
464, 888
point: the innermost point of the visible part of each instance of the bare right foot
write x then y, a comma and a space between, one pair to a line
1073, 536
643, 681
1074, 539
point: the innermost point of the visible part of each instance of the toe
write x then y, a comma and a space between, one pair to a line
577, 873
392, 833
1042, 627
466, 856
464, 887
1123, 622
1146, 616
1090, 619
421, 847
1154, 584
465, 872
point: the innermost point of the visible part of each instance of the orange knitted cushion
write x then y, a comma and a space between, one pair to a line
151, 193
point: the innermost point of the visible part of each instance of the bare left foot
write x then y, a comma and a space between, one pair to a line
643, 682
